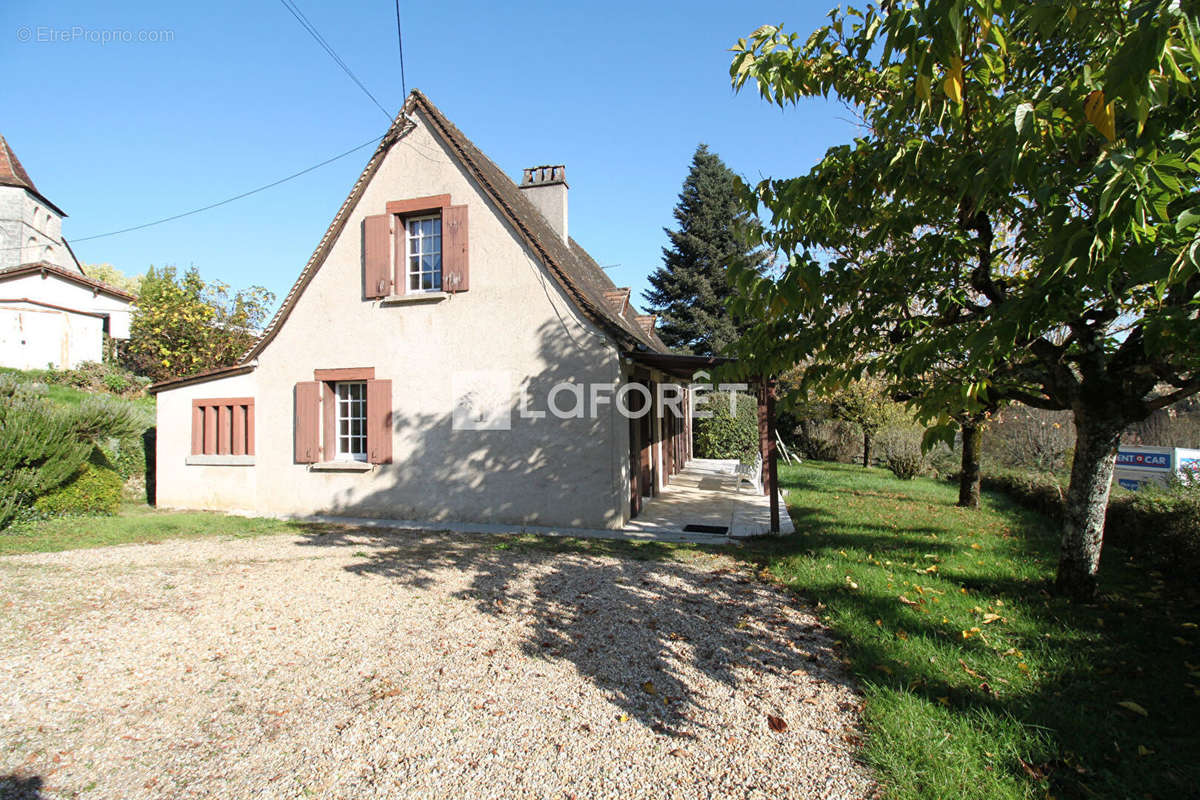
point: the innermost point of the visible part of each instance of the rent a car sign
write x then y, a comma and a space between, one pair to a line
1138, 466
1144, 460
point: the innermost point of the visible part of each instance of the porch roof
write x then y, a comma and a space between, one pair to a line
675, 364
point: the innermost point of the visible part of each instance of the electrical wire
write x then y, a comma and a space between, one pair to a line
319, 39
400, 42
227, 200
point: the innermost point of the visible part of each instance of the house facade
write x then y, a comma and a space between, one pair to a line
448, 353
51, 313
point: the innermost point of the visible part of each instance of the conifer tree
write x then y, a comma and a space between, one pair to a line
689, 291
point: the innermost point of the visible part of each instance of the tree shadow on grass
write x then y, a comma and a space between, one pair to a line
963, 656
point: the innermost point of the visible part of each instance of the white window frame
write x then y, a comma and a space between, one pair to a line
419, 242
350, 409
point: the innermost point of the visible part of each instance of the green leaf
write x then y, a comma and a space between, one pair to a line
1025, 119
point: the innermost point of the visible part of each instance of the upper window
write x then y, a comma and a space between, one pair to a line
351, 420
424, 253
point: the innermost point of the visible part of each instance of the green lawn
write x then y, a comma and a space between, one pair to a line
135, 524
979, 683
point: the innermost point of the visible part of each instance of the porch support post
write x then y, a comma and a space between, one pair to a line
772, 458
761, 395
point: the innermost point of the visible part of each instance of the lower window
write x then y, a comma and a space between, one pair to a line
351, 420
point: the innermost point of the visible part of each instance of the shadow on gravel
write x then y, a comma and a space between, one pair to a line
17, 787
639, 626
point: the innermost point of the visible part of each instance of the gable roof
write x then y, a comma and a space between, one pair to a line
12, 173
575, 271
46, 268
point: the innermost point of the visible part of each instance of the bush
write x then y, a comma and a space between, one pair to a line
95, 489
43, 446
828, 440
723, 435
116, 383
901, 452
39, 447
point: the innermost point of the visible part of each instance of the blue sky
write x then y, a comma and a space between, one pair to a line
125, 132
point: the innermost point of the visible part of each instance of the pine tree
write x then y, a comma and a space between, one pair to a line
690, 289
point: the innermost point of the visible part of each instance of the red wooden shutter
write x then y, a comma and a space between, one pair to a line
379, 422
197, 429
308, 425
329, 420
377, 255
455, 272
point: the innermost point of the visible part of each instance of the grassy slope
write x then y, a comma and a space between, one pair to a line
979, 684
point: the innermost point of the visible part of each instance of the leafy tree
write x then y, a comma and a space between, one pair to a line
690, 291
1027, 177
867, 403
184, 325
114, 277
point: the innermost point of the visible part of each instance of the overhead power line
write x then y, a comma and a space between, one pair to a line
400, 41
316, 35
228, 200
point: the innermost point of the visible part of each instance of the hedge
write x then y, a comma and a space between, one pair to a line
723, 435
1161, 525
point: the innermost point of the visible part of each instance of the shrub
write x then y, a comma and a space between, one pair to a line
902, 454
116, 383
724, 435
42, 446
828, 440
127, 456
39, 447
95, 489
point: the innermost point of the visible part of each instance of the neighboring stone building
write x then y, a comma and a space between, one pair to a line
51, 313
393, 381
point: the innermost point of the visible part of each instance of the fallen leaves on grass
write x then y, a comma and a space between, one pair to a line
1129, 705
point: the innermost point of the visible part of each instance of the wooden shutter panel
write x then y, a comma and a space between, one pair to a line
455, 272
377, 255
379, 422
308, 424
329, 421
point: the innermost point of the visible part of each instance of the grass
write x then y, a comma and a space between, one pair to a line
136, 524
67, 395
978, 682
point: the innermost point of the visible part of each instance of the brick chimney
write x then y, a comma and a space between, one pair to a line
546, 187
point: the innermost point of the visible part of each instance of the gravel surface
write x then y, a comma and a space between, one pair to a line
361, 664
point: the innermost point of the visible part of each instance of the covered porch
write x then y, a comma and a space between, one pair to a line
703, 498
670, 491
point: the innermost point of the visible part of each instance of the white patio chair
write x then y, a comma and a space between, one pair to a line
751, 473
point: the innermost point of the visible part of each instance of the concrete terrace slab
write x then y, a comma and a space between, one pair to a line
706, 492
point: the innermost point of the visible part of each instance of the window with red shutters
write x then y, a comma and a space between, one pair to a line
331, 424
223, 426
420, 246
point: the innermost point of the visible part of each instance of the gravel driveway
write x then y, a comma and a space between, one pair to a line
362, 664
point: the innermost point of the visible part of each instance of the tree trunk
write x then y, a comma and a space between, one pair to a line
1096, 443
968, 480
866, 449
